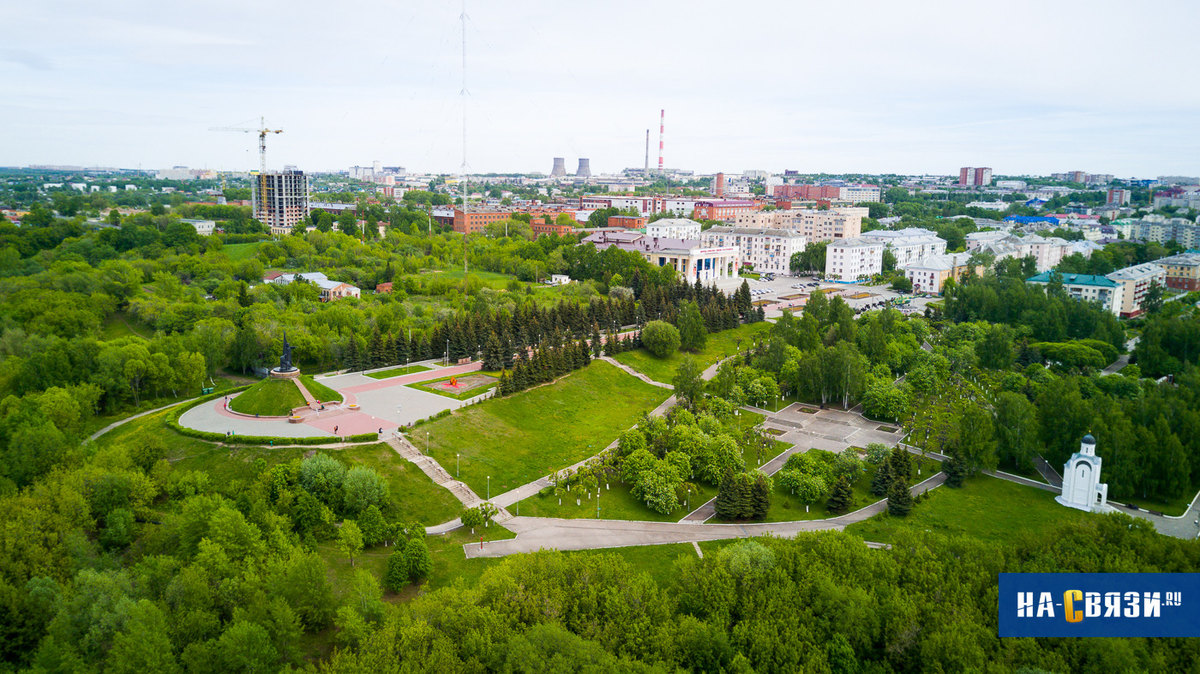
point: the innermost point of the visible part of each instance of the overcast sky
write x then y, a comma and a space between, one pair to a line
926, 87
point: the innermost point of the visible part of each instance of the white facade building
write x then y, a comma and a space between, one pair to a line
929, 274
850, 259
860, 193
203, 227
1136, 282
692, 260
764, 250
908, 245
673, 228
1087, 288
1081, 488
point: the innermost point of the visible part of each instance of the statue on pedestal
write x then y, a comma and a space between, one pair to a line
285, 360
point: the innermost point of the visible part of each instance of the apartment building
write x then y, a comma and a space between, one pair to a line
851, 259
723, 209
764, 250
1182, 271
1087, 287
1135, 282
673, 228
929, 274
970, 176
908, 245
280, 199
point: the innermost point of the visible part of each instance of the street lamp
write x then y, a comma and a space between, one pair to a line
456, 470
489, 488
426, 443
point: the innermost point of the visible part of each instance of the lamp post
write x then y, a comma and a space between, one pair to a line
489, 488
426, 443
457, 473
447, 361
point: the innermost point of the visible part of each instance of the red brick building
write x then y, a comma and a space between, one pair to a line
723, 209
545, 225
626, 221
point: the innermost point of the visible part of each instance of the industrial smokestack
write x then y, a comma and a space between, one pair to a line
719, 186
647, 168
662, 125
585, 168
560, 167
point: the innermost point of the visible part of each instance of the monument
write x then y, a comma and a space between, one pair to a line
1081, 487
285, 370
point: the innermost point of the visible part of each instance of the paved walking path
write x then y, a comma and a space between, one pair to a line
639, 375
537, 533
130, 418
1047, 472
442, 478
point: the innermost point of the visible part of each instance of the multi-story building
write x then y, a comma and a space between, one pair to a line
1046, 251
673, 228
830, 225
1182, 271
859, 193
723, 209
203, 227
280, 199
1086, 287
1135, 282
970, 176
849, 193
764, 250
851, 259
627, 221
1160, 229
1185, 196
1118, 196
929, 274
470, 222
546, 225
688, 257
908, 245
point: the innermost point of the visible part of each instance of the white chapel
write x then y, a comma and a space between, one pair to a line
1081, 487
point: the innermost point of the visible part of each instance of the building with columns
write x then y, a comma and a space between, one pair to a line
763, 250
692, 260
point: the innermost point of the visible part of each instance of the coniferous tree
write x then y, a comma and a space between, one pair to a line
883, 479
376, 356
492, 355
726, 507
760, 496
506, 352
401, 347
841, 497
956, 471
596, 345
900, 499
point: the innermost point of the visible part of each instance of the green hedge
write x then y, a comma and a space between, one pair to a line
173, 422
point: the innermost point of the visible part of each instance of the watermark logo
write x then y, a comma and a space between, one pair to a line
1099, 604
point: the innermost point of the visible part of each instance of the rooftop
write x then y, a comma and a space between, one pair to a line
1074, 279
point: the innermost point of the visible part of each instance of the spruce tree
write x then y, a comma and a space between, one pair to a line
883, 478
375, 353
351, 357
900, 499
492, 356
596, 345
401, 348
760, 496
725, 506
841, 497
956, 471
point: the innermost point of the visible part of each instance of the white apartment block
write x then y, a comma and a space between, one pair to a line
1160, 229
908, 245
1047, 252
1136, 282
860, 193
851, 259
1087, 288
764, 250
929, 274
673, 228
202, 227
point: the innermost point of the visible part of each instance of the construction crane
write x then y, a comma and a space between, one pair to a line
262, 132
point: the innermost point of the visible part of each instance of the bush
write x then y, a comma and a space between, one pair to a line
660, 338
173, 423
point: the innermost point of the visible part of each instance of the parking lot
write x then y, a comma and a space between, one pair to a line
791, 292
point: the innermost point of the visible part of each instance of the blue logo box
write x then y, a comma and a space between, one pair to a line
1100, 604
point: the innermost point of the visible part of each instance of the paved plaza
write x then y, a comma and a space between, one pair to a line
383, 404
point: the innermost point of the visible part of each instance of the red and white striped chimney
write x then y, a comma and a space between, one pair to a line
662, 123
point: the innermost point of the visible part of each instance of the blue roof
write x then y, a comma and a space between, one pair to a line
1074, 279
1030, 219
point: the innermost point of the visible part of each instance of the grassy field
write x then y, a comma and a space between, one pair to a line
397, 371
616, 503
269, 397
320, 391
120, 324
718, 346
239, 251
986, 508
416, 497
656, 560
428, 387
519, 438
1173, 507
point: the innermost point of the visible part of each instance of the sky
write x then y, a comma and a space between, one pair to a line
871, 87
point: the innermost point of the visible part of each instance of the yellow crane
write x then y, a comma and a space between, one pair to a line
262, 132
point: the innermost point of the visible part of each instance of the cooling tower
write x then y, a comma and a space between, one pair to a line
585, 168
560, 168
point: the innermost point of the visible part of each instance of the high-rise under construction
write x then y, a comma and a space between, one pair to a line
280, 199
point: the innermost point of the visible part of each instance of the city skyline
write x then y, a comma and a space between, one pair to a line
1033, 91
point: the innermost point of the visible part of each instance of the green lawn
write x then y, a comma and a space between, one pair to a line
518, 438
397, 371
470, 393
718, 346
416, 497
656, 560
269, 397
239, 251
616, 503
320, 391
121, 324
986, 508
1174, 507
